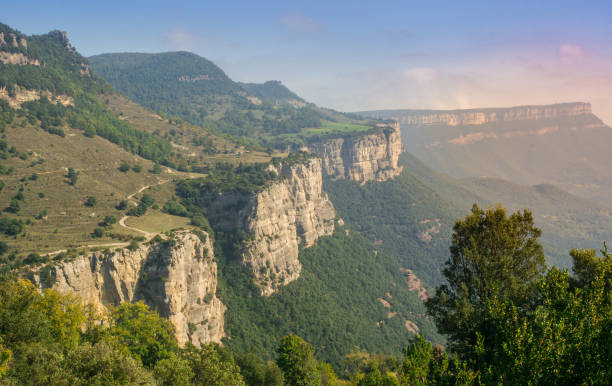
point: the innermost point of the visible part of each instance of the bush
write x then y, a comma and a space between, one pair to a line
122, 205
109, 220
97, 233
91, 201
14, 206
72, 176
137, 168
174, 208
124, 167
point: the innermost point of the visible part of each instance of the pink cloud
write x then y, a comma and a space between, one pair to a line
569, 51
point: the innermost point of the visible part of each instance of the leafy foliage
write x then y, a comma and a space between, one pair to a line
341, 277
492, 256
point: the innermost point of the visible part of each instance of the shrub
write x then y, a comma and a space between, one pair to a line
124, 167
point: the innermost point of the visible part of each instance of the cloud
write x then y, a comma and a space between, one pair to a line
569, 51
301, 23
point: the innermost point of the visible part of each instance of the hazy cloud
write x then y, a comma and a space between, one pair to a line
301, 23
569, 51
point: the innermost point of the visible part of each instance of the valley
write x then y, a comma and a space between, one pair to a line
160, 216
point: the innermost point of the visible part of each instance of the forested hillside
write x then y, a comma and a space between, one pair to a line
187, 86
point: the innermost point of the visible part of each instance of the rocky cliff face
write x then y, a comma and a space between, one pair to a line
362, 157
178, 278
480, 117
292, 211
22, 95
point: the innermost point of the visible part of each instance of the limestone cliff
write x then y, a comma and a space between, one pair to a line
293, 210
483, 116
367, 157
177, 277
20, 95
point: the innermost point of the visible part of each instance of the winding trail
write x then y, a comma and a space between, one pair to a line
148, 235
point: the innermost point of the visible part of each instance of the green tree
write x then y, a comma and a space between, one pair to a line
173, 371
91, 201
566, 340
97, 232
492, 256
109, 220
14, 206
213, 365
5, 358
124, 167
72, 176
147, 335
137, 168
255, 372
296, 360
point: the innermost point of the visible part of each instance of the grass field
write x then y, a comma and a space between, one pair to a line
156, 222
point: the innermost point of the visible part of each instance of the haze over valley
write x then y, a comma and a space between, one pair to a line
297, 201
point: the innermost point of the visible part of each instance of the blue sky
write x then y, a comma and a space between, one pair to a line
353, 55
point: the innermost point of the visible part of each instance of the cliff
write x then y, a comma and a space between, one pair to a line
293, 210
483, 116
362, 158
178, 278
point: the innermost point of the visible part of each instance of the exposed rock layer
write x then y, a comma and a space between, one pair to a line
483, 116
291, 211
362, 158
22, 95
178, 278
17, 58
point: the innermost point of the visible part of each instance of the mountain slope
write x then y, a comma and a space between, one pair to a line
182, 84
565, 145
567, 221
71, 151
410, 218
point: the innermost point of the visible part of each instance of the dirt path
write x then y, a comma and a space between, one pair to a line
147, 235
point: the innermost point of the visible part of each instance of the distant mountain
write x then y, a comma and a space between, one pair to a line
411, 217
563, 144
185, 85
273, 91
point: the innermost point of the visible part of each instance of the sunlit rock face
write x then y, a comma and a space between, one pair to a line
368, 157
178, 278
293, 210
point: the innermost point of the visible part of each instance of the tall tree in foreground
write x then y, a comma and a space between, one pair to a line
567, 340
493, 256
296, 360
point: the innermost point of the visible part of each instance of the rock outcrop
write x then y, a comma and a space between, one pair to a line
17, 58
177, 277
483, 116
291, 211
362, 158
21, 95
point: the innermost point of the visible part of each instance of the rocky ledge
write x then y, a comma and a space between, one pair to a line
177, 277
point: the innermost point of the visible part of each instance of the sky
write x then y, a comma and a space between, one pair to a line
364, 55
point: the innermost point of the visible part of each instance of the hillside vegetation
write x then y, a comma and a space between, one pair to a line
187, 86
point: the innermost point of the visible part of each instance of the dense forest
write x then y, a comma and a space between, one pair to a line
508, 320
187, 86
